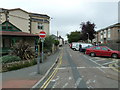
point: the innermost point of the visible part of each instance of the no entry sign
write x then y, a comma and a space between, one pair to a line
42, 34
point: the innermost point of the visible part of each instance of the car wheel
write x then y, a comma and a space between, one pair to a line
114, 56
92, 54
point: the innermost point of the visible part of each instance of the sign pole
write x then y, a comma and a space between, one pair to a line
38, 61
42, 35
42, 48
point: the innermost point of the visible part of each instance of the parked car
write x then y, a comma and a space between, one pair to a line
102, 51
84, 48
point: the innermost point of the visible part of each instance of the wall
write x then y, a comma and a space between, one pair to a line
34, 26
20, 19
3, 18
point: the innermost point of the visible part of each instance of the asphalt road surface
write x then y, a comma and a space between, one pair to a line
81, 71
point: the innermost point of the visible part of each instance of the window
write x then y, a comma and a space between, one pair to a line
40, 26
3, 27
9, 28
97, 48
103, 48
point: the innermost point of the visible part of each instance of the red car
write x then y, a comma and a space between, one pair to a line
102, 51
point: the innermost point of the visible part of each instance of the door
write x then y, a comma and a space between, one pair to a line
105, 51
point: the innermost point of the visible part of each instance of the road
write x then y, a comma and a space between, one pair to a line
76, 70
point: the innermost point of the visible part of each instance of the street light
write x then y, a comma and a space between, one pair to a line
88, 36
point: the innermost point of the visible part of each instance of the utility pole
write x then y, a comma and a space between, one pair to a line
88, 36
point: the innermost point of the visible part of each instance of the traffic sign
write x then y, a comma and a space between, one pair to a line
42, 34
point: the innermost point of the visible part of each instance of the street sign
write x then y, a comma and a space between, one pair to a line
42, 34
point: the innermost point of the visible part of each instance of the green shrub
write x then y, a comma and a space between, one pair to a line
56, 42
9, 59
20, 65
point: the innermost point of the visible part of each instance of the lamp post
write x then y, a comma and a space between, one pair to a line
118, 39
88, 36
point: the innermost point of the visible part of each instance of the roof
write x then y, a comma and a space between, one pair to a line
3, 10
111, 26
39, 15
11, 33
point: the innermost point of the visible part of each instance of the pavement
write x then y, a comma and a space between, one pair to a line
27, 77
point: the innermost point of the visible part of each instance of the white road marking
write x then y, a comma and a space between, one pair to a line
101, 69
63, 68
88, 81
55, 79
78, 81
108, 63
90, 87
93, 61
55, 85
70, 78
65, 85
96, 63
94, 81
100, 60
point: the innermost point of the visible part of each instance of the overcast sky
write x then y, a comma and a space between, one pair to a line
68, 14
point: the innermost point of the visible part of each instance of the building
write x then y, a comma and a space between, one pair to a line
18, 17
17, 24
60, 39
108, 34
25, 21
39, 22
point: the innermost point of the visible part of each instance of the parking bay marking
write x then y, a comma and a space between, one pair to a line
95, 63
100, 60
109, 63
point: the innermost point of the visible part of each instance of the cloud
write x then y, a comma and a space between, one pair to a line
68, 14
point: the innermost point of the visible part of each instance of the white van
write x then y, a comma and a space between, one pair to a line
75, 45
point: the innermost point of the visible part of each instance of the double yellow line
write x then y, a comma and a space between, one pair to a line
53, 74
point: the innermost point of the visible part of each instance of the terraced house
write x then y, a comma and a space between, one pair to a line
18, 24
109, 35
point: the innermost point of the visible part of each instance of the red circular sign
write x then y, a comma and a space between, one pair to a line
42, 34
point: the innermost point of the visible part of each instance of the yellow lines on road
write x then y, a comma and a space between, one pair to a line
53, 73
115, 69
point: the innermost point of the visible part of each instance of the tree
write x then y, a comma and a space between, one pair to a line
73, 36
56, 42
88, 31
48, 43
